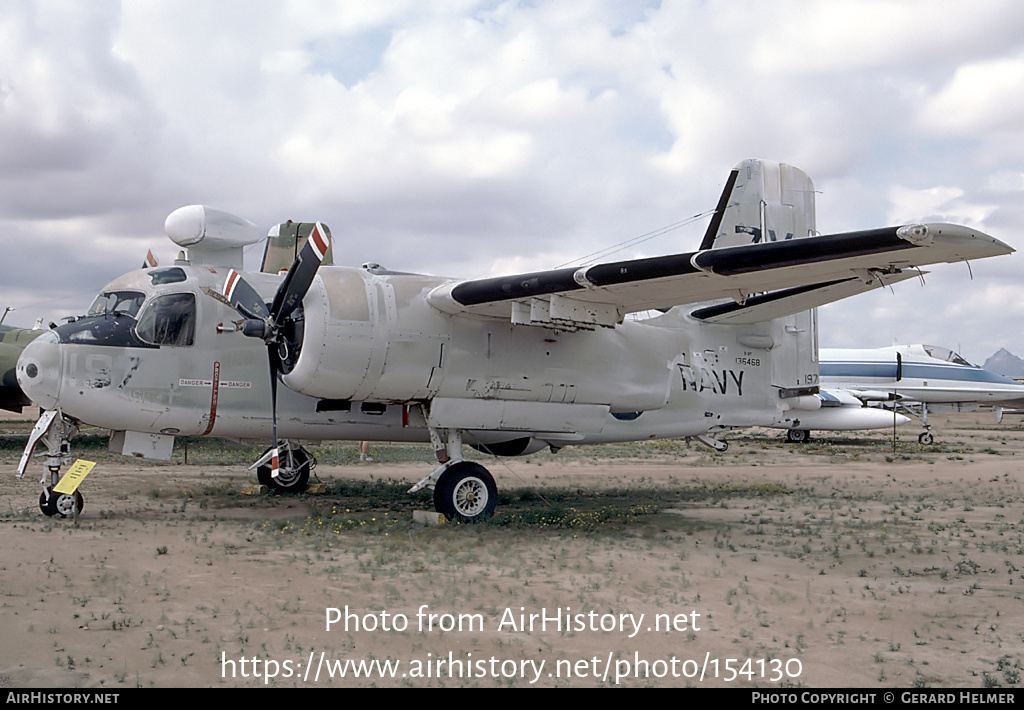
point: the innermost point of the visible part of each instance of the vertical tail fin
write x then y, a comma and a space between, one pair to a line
285, 243
763, 201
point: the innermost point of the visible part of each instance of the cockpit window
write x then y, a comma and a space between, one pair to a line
170, 275
960, 360
127, 302
169, 320
946, 354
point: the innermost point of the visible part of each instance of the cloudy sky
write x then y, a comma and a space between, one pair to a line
477, 138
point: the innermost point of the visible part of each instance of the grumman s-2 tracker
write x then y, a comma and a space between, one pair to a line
507, 365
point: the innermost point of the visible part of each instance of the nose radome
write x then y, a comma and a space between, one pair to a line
39, 370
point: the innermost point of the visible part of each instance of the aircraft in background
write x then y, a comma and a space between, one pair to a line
840, 411
508, 365
914, 378
12, 343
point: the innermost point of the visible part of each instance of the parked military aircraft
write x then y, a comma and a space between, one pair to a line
508, 365
12, 342
912, 377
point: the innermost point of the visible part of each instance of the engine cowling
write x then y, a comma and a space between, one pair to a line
367, 338
337, 339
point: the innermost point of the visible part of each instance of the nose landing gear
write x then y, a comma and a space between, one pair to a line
60, 504
55, 433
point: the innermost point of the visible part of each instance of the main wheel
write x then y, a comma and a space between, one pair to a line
292, 473
466, 493
60, 504
798, 436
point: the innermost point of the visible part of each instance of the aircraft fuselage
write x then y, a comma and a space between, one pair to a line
915, 373
377, 362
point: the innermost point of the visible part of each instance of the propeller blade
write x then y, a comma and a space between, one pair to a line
300, 275
244, 298
275, 468
266, 324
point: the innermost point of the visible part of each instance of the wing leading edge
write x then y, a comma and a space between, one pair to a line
603, 294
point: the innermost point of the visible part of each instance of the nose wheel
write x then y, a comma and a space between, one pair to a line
61, 505
54, 431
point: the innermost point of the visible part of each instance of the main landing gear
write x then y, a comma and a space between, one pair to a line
294, 466
464, 491
798, 436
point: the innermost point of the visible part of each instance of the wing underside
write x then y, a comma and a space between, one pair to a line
785, 302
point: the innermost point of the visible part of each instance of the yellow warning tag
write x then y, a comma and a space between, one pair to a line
75, 475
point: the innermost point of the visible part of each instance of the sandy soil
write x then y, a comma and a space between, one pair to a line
826, 565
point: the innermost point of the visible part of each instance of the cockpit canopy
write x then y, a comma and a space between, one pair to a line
940, 353
126, 302
126, 318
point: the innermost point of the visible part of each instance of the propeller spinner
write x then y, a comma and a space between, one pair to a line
269, 324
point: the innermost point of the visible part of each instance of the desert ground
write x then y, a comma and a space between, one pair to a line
849, 561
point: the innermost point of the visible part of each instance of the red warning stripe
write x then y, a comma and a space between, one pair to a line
213, 398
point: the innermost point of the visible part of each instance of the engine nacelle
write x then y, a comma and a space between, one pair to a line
365, 338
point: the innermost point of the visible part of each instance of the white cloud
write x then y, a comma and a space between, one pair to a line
935, 204
471, 138
983, 96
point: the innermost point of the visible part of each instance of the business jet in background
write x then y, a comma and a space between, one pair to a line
916, 379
